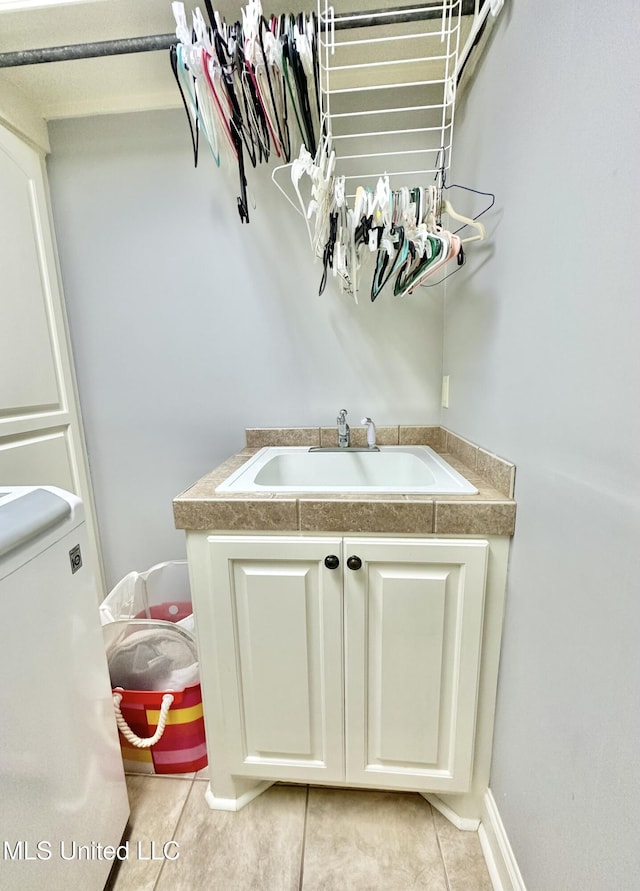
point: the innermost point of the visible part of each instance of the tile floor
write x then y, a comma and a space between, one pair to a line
292, 838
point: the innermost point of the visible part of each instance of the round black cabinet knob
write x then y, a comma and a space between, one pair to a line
354, 562
332, 562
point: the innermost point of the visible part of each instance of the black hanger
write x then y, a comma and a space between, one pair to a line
193, 126
361, 232
300, 79
282, 126
288, 52
442, 176
236, 123
384, 261
316, 66
327, 255
475, 192
210, 13
243, 207
255, 124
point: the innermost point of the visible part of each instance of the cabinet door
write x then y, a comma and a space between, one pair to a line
413, 629
278, 628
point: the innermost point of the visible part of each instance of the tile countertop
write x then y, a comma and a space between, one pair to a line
491, 512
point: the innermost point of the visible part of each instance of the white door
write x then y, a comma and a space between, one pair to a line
277, 625
413, 632
41, 440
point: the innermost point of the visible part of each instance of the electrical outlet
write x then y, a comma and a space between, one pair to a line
445, 391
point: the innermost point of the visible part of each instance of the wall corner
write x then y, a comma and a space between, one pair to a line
19, 113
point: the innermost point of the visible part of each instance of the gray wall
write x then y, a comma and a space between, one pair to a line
188, 327
541, 343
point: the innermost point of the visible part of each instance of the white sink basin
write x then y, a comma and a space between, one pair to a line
412, 470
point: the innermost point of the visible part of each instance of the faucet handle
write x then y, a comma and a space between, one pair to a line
342, 416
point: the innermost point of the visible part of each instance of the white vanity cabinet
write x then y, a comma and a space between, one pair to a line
334, 660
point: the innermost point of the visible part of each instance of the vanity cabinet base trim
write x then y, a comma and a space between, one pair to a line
465, 824
234, 804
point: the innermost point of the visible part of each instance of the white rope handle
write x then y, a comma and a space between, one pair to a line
127, 732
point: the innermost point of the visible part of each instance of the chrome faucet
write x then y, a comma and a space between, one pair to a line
344, 434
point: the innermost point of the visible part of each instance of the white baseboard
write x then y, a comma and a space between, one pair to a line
498, 854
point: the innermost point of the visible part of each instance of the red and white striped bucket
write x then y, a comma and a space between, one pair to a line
180, 746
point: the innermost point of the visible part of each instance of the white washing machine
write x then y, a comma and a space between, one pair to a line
63, 797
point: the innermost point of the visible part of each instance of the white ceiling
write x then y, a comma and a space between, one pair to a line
110, 84
132, 82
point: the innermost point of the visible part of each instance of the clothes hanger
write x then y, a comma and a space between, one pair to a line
243, 207
233, 81
287, 56
204, 102
302, 164
411, 275
319, 169
344, 242
446, 207
211, 71
212, 15
236, 123
278, 63
466, 221
386, 252
263, 71
312, 32
327, 259
176, 67
224, 45
455, 247
251, 116
184, 79
461, 259
207, 105
304, 73
263, 128
253, 62
322, 204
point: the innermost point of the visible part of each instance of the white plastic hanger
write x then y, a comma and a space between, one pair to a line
448, 209
302, 164
182, 31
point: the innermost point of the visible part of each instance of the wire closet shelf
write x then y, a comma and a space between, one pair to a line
388, 90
